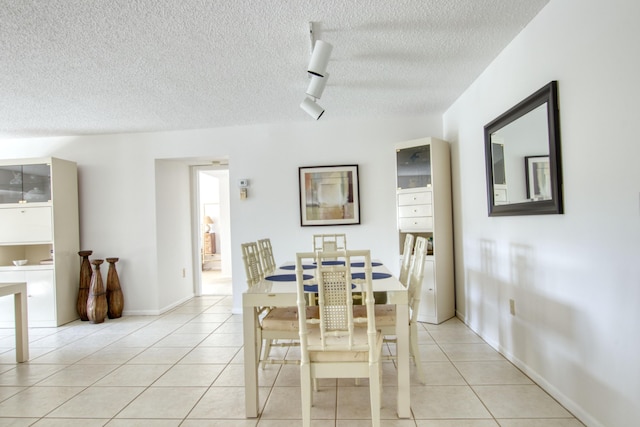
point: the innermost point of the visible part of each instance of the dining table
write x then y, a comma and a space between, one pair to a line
279, 289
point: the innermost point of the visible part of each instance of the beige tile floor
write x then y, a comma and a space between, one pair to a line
214, 283
184, 368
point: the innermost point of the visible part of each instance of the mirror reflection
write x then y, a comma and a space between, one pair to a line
523, 157
520, 153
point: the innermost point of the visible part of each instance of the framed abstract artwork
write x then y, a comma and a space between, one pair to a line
329, 195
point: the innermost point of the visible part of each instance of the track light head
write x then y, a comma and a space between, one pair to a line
312, 108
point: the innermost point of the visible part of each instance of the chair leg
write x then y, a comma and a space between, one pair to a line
267, 350
415, 353
259, 344
306, 395
380, 376
375, 390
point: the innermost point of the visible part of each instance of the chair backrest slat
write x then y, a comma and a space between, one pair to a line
252, 265
265, 252
416, 276
334, 295
407, 252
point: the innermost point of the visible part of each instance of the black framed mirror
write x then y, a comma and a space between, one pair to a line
522, 152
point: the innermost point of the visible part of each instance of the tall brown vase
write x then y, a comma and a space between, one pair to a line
115, 300
97, 301
85, 282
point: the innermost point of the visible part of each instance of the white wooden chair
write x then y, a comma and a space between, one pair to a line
407, 253
336, 348
265, 251
386, 313
252, 266
329, 242
275, 323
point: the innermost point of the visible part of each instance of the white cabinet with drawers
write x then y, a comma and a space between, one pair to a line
39, 223
423, 178
415, 210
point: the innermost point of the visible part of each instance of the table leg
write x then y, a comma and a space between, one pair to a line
402, 349
22, 326
249, 319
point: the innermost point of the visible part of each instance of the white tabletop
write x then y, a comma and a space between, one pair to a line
390, 284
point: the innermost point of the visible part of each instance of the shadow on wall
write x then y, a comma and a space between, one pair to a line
481, 289
506, 288
509, 303
526, 286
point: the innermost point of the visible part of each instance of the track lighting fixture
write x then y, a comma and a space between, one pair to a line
317, 69
312, 108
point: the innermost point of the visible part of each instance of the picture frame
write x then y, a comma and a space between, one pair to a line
499, 172
329, 195
538, 177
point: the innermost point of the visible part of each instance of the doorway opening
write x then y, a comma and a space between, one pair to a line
214, 230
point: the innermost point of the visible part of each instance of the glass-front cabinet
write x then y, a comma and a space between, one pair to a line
413, 165
27, 183
39, 238
423, 198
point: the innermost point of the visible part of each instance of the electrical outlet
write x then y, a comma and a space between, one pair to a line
512, 307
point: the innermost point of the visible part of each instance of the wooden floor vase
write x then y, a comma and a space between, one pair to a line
85, 282
115, 300
97, 301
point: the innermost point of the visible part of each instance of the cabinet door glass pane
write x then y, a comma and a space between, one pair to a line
10, 184
414, 167
36, 183
30, 183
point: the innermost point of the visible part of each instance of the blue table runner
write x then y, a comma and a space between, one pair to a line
293, 267
287, 277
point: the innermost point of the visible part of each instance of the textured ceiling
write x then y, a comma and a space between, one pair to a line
70, 67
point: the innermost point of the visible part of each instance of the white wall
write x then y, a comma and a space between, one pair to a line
224, 239
135, 195
174, 230
574, 277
